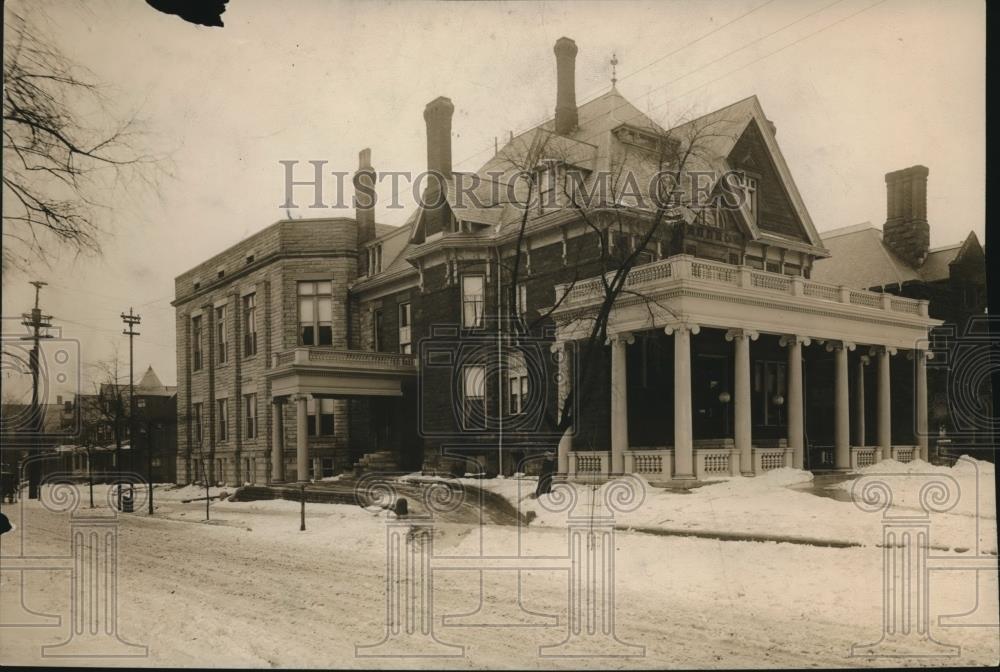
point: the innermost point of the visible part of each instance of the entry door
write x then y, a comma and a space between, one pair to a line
709, 382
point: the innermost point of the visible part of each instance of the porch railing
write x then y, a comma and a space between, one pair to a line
587, 463
362, 359
904, 453
864, 456
766, 459
652, 463
685, 267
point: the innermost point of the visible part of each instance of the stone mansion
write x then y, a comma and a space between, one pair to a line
465, 339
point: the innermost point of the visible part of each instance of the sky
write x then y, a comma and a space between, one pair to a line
856, 88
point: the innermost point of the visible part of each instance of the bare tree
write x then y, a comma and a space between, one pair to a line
59, 165
645, 194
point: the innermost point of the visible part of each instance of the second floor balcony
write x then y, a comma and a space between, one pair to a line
340, 373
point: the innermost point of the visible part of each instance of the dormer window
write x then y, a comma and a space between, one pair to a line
548, 183
375, 259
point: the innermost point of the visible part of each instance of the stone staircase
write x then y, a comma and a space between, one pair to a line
379, 461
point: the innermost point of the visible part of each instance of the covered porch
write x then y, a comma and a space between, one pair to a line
716, 370
363, 388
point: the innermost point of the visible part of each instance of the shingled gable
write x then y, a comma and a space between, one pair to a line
594, 144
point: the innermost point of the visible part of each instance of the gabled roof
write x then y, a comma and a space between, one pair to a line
860, 258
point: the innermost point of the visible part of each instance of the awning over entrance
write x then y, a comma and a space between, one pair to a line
340, 373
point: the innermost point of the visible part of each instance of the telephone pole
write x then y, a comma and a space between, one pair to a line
131, 320
35, 321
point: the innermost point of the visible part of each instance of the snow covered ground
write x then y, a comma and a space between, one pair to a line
250, 589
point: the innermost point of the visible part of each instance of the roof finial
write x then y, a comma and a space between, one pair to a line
614, 69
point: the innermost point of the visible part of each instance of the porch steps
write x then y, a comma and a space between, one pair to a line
379, 461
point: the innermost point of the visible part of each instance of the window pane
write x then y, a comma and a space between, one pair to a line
306, 288
306, 313
475, 381
307, 336
326, 424
326, 405
472, 285
322, 287
325, 310
325, 335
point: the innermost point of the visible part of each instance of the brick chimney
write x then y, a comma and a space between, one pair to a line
566, 119
437, 114
364, 188
906, 230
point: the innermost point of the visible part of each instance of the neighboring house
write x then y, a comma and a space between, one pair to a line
898, 260
318, 344
106, 431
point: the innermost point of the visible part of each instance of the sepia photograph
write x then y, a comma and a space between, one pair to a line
564, 334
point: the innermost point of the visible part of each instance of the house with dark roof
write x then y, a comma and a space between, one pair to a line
897, 259
464, 340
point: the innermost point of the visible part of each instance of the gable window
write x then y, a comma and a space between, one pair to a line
404, 329
548, 180
315, 313
473, 287
249, 325
474, 397
196, 343
220, 330
749, 185
250, 415
375, 259
320, 418
517, 381
223, 413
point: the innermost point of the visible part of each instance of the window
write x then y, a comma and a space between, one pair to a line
320, 418
517, 384
522, 299
250, 415
315, 313
250, 259
769, 390
375, 259
749, 185
223, 413
327, 467
220, 330
247, 473
221, 274
377, 330
474, 397
548, 180
196, 423
472, 301
249, 325
404, 329
196, 343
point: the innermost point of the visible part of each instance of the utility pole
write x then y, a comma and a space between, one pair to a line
36, 322
131, 320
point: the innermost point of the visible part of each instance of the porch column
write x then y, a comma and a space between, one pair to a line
859, 402
884, 403
565, 386
619, 400
741, 401
920, 398
683, 433
302, 437
796, 425
842, 409
277, 442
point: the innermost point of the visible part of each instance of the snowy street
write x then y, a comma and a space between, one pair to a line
250, 589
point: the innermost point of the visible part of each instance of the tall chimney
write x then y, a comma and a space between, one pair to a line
906, 231
566, 119
437, 114
364, 197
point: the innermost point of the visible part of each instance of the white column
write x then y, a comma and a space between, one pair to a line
884, 403
683, 432
565, 386
619, 401
842, 409
920, 394
859, 402
743, 422
302, 437
796, 425
277, 442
